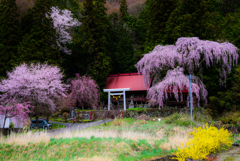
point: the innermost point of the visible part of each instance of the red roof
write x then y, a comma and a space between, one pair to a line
170, 89
134, 81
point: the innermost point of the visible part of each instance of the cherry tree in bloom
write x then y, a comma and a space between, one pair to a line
63, 22
39, 84
175, 82
188, 53
84, 90
16, 110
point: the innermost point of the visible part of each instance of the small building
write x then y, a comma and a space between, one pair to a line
14, 120
131, 84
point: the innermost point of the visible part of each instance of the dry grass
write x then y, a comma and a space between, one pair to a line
118, 122
107, 134
95, 158
137, 136
141, 122
25, 138
179, 136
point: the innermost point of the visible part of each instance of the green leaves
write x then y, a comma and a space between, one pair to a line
39, 42
9, 35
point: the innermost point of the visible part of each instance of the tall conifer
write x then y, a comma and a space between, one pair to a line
123, 8
9, 35
188, 20
121, 47
92, 43
159, 13
88, 7
39, 42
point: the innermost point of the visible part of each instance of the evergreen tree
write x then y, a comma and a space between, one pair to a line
91, 43
88, 7
159, 13
121, 47
39, 42
123, 8
189, 19
9, 35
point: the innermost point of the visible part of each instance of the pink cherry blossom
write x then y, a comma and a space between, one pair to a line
17, 110
63, 21
188, 53
84, 90
38, 84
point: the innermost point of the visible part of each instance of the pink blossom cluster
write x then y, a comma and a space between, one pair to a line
189, 53
84, 90
63, 21
17, 110
175, 82
38, 84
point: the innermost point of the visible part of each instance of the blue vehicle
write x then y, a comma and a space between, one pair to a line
41, 124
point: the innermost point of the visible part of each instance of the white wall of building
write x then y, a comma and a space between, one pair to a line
14, 120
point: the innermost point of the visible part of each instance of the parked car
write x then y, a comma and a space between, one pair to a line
41, 124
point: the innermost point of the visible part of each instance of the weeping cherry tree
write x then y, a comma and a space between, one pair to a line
187, 53
84, 90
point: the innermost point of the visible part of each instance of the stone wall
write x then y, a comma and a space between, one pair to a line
154, 112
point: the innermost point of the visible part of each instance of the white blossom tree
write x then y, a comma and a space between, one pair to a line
39, 84
187, 53
63, 22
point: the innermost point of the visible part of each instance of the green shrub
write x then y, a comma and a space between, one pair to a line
231, 118
11, 125
179, 119
56, 114
185, 123
172, 118
201, 115
138, 109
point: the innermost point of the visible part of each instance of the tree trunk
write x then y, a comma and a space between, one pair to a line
47, 118
4, 121
37, 123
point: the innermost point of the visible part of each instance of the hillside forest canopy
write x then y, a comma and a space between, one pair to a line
96, 38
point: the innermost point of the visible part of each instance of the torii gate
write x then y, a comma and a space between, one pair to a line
117, 90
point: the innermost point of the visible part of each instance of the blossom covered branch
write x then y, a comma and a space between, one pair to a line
188, 53
63, 21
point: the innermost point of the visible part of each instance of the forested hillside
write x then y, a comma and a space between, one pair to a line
99, 37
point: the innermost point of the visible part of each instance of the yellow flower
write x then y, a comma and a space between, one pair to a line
205, 140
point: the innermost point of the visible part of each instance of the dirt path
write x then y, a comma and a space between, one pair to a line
232, 154
71, 128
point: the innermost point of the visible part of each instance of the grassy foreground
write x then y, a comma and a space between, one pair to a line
121, 139
82, 148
